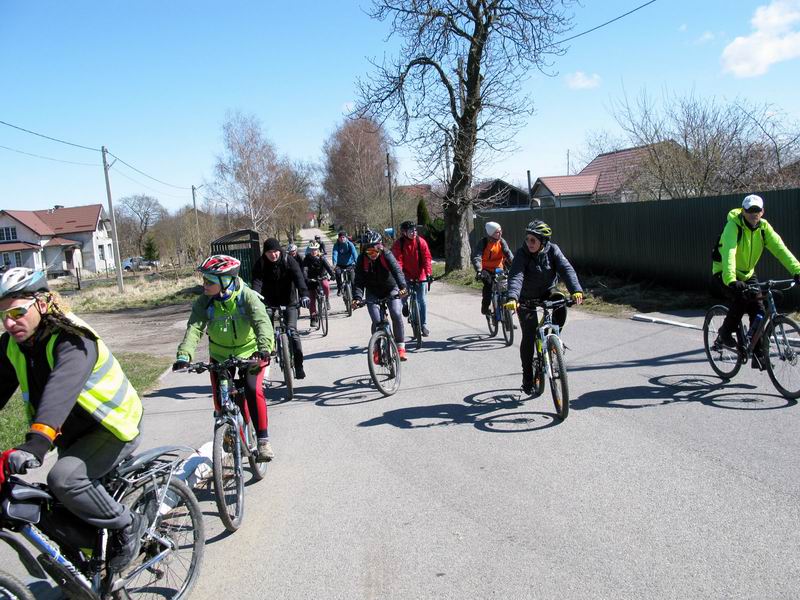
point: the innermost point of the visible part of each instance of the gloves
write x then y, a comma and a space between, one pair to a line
478, 276
305, 301
737, 286
181, 363
578, 297
486, 277
19, 461
511, 305
261, 356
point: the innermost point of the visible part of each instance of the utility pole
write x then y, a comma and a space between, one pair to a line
196, 219
391, 203
117, 259
567, 161
530, 191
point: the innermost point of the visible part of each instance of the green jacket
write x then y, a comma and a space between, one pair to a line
741, 248
238, 326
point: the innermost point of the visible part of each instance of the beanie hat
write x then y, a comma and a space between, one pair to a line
271, 244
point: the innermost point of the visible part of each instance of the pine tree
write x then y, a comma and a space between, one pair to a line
150, 250
423, 218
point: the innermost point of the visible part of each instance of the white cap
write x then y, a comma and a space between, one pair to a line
492, 227
751, 201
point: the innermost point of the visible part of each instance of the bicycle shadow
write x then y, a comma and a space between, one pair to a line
471, 342
355, 389
664, 390
666, 360
352, 350
181, 392
480, 410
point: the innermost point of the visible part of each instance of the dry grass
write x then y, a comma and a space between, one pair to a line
145, 291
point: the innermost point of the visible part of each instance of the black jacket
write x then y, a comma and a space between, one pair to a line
533, 275
316, 267
380, 276
277, 281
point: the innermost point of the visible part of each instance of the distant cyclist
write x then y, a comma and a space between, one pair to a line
414, 257
321, 244
344, 256
317, 271
535, 272
743, 240
237, 325
490, 253
378, 276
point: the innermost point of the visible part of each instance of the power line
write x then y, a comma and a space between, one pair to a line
69, 162
129, 178
47, 137
149, 176
602, 25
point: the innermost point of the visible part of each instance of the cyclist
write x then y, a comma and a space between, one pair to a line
490, 253
414, 257
321, 244
344, 256
379, 276
535, 272
742, 242
77, 399
238, 326
317, 271
280, 280
291, 250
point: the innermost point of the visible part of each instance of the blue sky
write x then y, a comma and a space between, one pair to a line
153, 82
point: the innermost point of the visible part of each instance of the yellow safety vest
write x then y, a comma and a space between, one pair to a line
107, 394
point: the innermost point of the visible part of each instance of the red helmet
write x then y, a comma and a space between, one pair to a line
220, 264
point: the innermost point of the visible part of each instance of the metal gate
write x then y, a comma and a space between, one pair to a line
243, 245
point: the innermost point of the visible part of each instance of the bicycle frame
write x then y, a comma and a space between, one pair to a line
499, 290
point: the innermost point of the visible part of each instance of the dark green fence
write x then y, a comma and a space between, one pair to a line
667, 241
243, 245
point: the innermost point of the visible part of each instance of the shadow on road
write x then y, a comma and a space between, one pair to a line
677, 358
669, 389
469, 342
183, 392
481, 411
356, 389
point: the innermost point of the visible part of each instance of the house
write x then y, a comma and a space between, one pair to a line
565, 190
496, 193
58, 240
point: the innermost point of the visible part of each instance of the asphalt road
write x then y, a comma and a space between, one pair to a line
662, 483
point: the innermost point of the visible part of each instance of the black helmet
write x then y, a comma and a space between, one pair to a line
372, 238
407, 225
540, 229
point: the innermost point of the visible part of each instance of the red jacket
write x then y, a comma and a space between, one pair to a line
414, 257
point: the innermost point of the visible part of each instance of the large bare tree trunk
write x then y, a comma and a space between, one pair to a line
456, 236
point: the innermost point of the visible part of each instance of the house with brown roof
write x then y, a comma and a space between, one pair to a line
58, 240
565, 190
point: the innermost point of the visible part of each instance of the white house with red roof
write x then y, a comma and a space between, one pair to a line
59, 239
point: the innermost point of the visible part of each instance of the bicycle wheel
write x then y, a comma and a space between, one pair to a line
782, 346
178, 521
12, 588
507, 322
558, 376
725, 361
228, 477
491, 319
322, 312
538, 376
258, 469
285, 361
385, 371
416, 326
347, 294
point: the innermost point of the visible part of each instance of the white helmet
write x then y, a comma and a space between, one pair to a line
22, 281
492, 227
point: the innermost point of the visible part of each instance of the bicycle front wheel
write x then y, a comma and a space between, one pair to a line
558, 376
416, 326
12, 588
384, 363
491, 319
782, 346
258, 469
286, 366
725, 361
507, 323
179, 521
347, 294
322, 312
228, 477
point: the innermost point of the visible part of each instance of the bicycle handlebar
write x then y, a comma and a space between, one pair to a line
200, 367
548, 304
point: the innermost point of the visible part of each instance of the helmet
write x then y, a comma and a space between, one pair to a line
318, 238
291, 248
372, 238
407, 225
220, 264
540, 229
21, 281
313, 246
492, 227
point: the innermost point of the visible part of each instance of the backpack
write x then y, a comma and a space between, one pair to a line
716, 256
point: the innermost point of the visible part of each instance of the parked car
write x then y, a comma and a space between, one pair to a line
138, 263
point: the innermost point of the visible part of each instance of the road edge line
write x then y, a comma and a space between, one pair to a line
646, 319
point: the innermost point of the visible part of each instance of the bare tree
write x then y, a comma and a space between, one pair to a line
354, 177
455, 88
140, 213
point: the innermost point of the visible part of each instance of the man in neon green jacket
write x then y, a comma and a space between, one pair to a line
743, 240
238, 326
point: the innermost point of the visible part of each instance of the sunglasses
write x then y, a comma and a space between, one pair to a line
373, 251
17, 312
753, 210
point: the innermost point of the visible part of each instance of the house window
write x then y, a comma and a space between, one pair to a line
18, 258
102, 252
8, 234
6, 258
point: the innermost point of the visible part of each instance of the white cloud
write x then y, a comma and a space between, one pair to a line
706, 37
581, 81
775, 39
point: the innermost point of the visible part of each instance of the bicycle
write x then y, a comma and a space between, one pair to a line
414, 316
548, 359
284, 350
12, 588
348, 278
74, 553
322, 308
500, 317
234, 439
777, 335
383, 356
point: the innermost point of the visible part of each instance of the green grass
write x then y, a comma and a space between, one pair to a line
142, 370
147, 291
